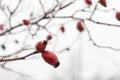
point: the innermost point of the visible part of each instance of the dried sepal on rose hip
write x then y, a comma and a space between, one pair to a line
49, 37
88, 2
50, 58
103, 3
117, 15
3, 46
80, 26
26, 22
40, 46
62, 29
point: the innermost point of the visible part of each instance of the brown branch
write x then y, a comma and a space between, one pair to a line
3, 11
95, 44
94, 9
18, 58
12, 13
62, 7
52, 12
96, 22
12, 28
16, 7
108, 24
112, 9
42, 6
36, 22
15, 53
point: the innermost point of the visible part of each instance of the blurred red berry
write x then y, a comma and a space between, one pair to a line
117, 15
40, 46
89, 2
62, 29
26, 22
80, 26
1, 27
50, 58
49, 37
103, 2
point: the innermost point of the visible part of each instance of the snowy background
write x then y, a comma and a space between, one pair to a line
83, 61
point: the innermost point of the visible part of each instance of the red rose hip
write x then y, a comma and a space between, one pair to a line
40, 46
26, 22
49, 37
117, 15
80, 26
89, 2
50, 58
1, 27
62, 29
103, 3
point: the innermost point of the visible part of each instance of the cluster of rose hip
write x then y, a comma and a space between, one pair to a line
48, 56
104, 3
88, 2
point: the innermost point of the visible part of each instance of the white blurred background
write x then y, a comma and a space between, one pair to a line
83, 61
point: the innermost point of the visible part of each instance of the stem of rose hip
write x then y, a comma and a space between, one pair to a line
45, 42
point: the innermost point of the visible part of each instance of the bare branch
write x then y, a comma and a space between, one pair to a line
95, 44
15, 53
94, 9
18, 58
16, 7
108, 24
3, 12
12, 28
42, 6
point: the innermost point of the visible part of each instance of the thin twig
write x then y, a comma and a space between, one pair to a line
95, 44
18, 58
94, 9
42, 6
16, 7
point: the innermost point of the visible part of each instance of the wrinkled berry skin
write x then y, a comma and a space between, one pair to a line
26, 22
103, 3
118, 16
50, 58
80, 26
40, 46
